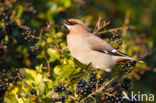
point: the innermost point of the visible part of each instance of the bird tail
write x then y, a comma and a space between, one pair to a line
140, 61
128, 58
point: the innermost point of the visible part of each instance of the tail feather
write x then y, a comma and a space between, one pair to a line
124, 59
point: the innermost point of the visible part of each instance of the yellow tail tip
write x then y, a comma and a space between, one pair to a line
141, 62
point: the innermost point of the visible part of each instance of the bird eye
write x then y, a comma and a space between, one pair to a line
72, 23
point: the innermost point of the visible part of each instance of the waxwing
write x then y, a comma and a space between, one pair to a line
88, 48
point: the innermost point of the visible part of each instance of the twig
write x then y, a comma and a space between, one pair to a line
23, 100
40, 36
111, 30
73, 98
35, 37
47, 62
98, 26
98, 90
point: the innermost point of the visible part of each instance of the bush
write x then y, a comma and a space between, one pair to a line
36, 65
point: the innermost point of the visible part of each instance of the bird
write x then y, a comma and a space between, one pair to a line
89, 48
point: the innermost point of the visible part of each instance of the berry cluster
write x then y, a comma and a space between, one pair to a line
84, 88
36, 47
61, 88
8, 77
13, 36
27, 35
32, 92
61, 98
3, 44
117, 38
5, 29
127, 66
4, 16
126, 83
115, 94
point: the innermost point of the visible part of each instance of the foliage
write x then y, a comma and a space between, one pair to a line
32, 40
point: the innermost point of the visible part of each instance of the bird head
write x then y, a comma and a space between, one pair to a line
74, 25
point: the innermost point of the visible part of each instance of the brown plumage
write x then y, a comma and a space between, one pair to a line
88, 48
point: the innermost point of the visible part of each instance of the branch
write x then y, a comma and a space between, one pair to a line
98, 90
47, 62
98, 26
111, 30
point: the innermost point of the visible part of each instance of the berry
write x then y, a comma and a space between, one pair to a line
38, 47
63, 88
52, 43
68, 92
120, 42
117, 36
117, 47
18, 96
2, 35
101, 80
32, 91
14, 82
133, 63
113, 37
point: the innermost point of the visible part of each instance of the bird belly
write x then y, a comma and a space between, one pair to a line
98, 60
101, 60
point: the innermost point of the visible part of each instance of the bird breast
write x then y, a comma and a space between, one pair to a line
77, 46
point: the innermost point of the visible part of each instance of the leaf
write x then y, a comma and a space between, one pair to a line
42, 87
39, 68
54, 55
19, 11
59, 34
49, 40
67, 70
49, 93
40, 56
67, 3
79, 63
31, 76
57, 70
43, 43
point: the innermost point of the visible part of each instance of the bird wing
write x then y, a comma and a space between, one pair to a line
98, 44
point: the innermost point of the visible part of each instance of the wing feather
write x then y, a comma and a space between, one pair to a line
98, 44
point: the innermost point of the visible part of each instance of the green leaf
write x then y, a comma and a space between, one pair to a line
49, 93
39, 68
43, 43
42, 87
40, 56
59, 34
67, 70
57, 70
49, 40
19, 11
54, 54
67, 3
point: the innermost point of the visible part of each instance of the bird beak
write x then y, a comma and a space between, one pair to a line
65, 26
64, 22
